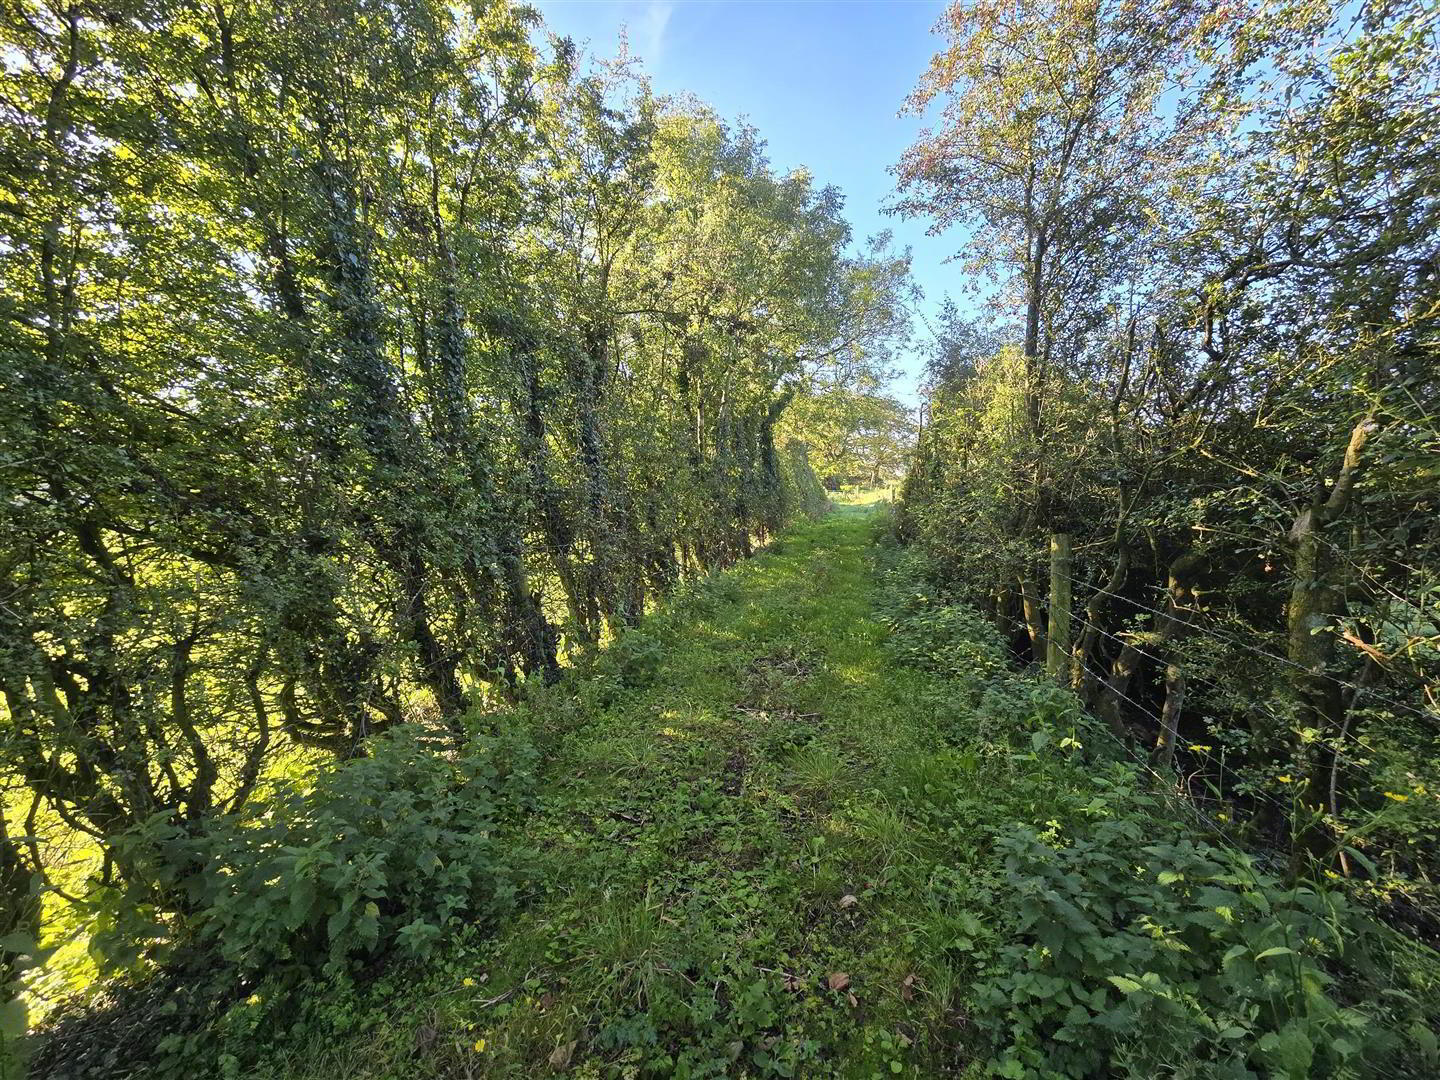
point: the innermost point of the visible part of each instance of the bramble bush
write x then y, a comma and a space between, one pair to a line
382, 856
931, 631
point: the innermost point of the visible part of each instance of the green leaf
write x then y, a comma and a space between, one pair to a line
302, 898
1278, 950
1231, 955
1124, 985
17, 942
14, 1019
1295, 1050
1365, 861
1425, 1039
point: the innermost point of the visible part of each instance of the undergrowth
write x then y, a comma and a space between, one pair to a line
809, 821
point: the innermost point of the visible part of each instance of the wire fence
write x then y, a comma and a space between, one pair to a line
1246, 646
1191, 677
1185, 797
1349, 755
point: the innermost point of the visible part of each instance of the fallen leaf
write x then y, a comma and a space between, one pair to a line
849, 900
907, 987
854, 1001
837, 980
561, 1055
791, 983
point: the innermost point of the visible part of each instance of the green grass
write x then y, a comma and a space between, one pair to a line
699, 838
764, 847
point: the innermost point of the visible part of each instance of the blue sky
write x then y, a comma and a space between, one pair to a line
822, 81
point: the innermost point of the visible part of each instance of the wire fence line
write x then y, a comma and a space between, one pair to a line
1190, 676
1107, 682
1185, 795
1252, 796
1237, 642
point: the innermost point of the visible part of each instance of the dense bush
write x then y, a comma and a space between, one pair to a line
18, 951
1122, 934
363, 364
1168, 956
932, 630
803, 492
1193, 465
384, 854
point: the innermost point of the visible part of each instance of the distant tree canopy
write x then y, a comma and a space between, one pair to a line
1212, 234
362, 362
856, 437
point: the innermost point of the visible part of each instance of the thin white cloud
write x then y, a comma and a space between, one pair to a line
603, 26
651, 29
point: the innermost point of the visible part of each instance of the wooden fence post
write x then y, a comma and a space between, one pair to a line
1057, 653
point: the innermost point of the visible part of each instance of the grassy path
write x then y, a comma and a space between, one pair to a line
729, 887
765, 846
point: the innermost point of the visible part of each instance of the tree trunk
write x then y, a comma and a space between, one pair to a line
1170, 714
1316, 600
1182, 578
1034, 617
1083, 677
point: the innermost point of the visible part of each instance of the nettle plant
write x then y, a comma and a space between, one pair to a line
1149, 953
932, 631
385, 853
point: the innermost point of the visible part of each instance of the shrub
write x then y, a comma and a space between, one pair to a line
801, 488
931, 631
386, 852
17, 952
1119, 941
632, 660
1145, 956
